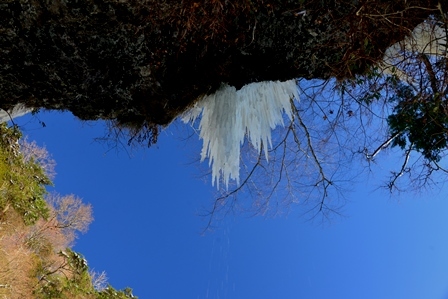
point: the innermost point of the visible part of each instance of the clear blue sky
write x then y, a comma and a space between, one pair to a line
147, 231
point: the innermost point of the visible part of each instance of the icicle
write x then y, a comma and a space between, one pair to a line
16, 111
426, 38
229, 115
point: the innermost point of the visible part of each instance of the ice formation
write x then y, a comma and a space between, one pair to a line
229, 115
426, 38
17, 111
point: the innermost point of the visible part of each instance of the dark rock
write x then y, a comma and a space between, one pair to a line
141, 63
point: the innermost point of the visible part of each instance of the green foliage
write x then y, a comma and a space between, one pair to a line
111, 293
419, 120
22, 182
62, 287
76, 261
76, 282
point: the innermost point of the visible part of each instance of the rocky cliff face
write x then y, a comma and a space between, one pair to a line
141, 63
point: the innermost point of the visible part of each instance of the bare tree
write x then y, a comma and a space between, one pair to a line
31, 151
69, 215
341, 128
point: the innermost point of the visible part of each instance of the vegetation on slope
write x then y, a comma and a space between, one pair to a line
37, 230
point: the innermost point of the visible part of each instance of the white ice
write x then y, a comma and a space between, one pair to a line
230, 115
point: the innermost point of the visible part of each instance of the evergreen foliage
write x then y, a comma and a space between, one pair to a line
420, 121
22, 182
76, 283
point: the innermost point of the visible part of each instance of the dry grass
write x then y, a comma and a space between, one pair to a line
17, 260
28, 254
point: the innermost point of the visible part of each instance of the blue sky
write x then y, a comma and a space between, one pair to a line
147, 229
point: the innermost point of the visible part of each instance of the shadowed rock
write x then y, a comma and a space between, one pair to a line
142, 63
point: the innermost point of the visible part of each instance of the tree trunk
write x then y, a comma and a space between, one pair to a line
142, 63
